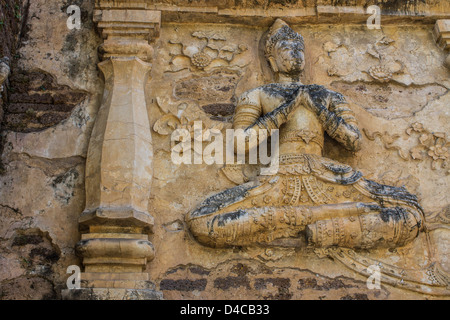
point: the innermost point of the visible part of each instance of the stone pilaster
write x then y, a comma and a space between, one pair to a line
116, 222
442, 36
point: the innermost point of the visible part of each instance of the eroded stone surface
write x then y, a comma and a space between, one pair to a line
249, 279
391, 101
395, 80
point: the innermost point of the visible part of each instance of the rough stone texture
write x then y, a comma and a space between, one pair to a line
394, 78
36, 102
11, 22
250, 279
12, 26
42, 179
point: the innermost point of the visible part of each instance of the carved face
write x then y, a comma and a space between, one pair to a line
289, 57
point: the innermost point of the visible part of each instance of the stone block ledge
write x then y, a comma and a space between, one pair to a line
116, 217
318, 12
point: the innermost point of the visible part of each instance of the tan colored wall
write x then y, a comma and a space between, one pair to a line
42, 188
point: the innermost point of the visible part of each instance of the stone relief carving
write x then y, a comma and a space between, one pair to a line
239, 173
208, 68
390, 100
429, 145
392, 78
45, 163
208, 51
215, 87
431, 280
387, 66
380, 73
324, 202
182, 115
439, 219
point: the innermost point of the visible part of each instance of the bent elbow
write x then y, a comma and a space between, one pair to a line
353, 142
357, 145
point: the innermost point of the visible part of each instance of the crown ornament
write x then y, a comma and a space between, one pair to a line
279, 31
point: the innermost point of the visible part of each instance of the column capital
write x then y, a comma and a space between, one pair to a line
442, 33
127, 32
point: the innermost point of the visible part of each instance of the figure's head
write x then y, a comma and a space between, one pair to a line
285, 49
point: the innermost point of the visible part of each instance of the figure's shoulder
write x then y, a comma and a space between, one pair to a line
317, 89
255, 95
253, 91
250, 97
274, 88
321, 92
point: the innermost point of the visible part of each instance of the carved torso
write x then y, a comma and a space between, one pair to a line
303, 131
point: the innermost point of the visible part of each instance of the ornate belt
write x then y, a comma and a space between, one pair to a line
306, 136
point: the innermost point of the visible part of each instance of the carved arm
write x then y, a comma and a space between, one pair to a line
337, 119
248, 111
250, 118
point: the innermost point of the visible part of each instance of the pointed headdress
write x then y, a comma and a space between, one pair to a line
280, 30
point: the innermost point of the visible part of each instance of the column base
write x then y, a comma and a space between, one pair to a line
111, 294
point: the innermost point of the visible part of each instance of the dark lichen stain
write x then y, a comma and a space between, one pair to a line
227, 217
199, 270
36, 101
286, 91
395, 214
240, 269
78, 40
332, 284
226, 283
284, 2
385, 190
63, 178
261, 283
50, 256
356, 296
64, 185
282, 284
23, 239
194, 269
221, 200
219, 109
225, 88
71, 42
183, 284
175, 270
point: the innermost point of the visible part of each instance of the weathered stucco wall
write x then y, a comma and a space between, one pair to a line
42, 188
394, 79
